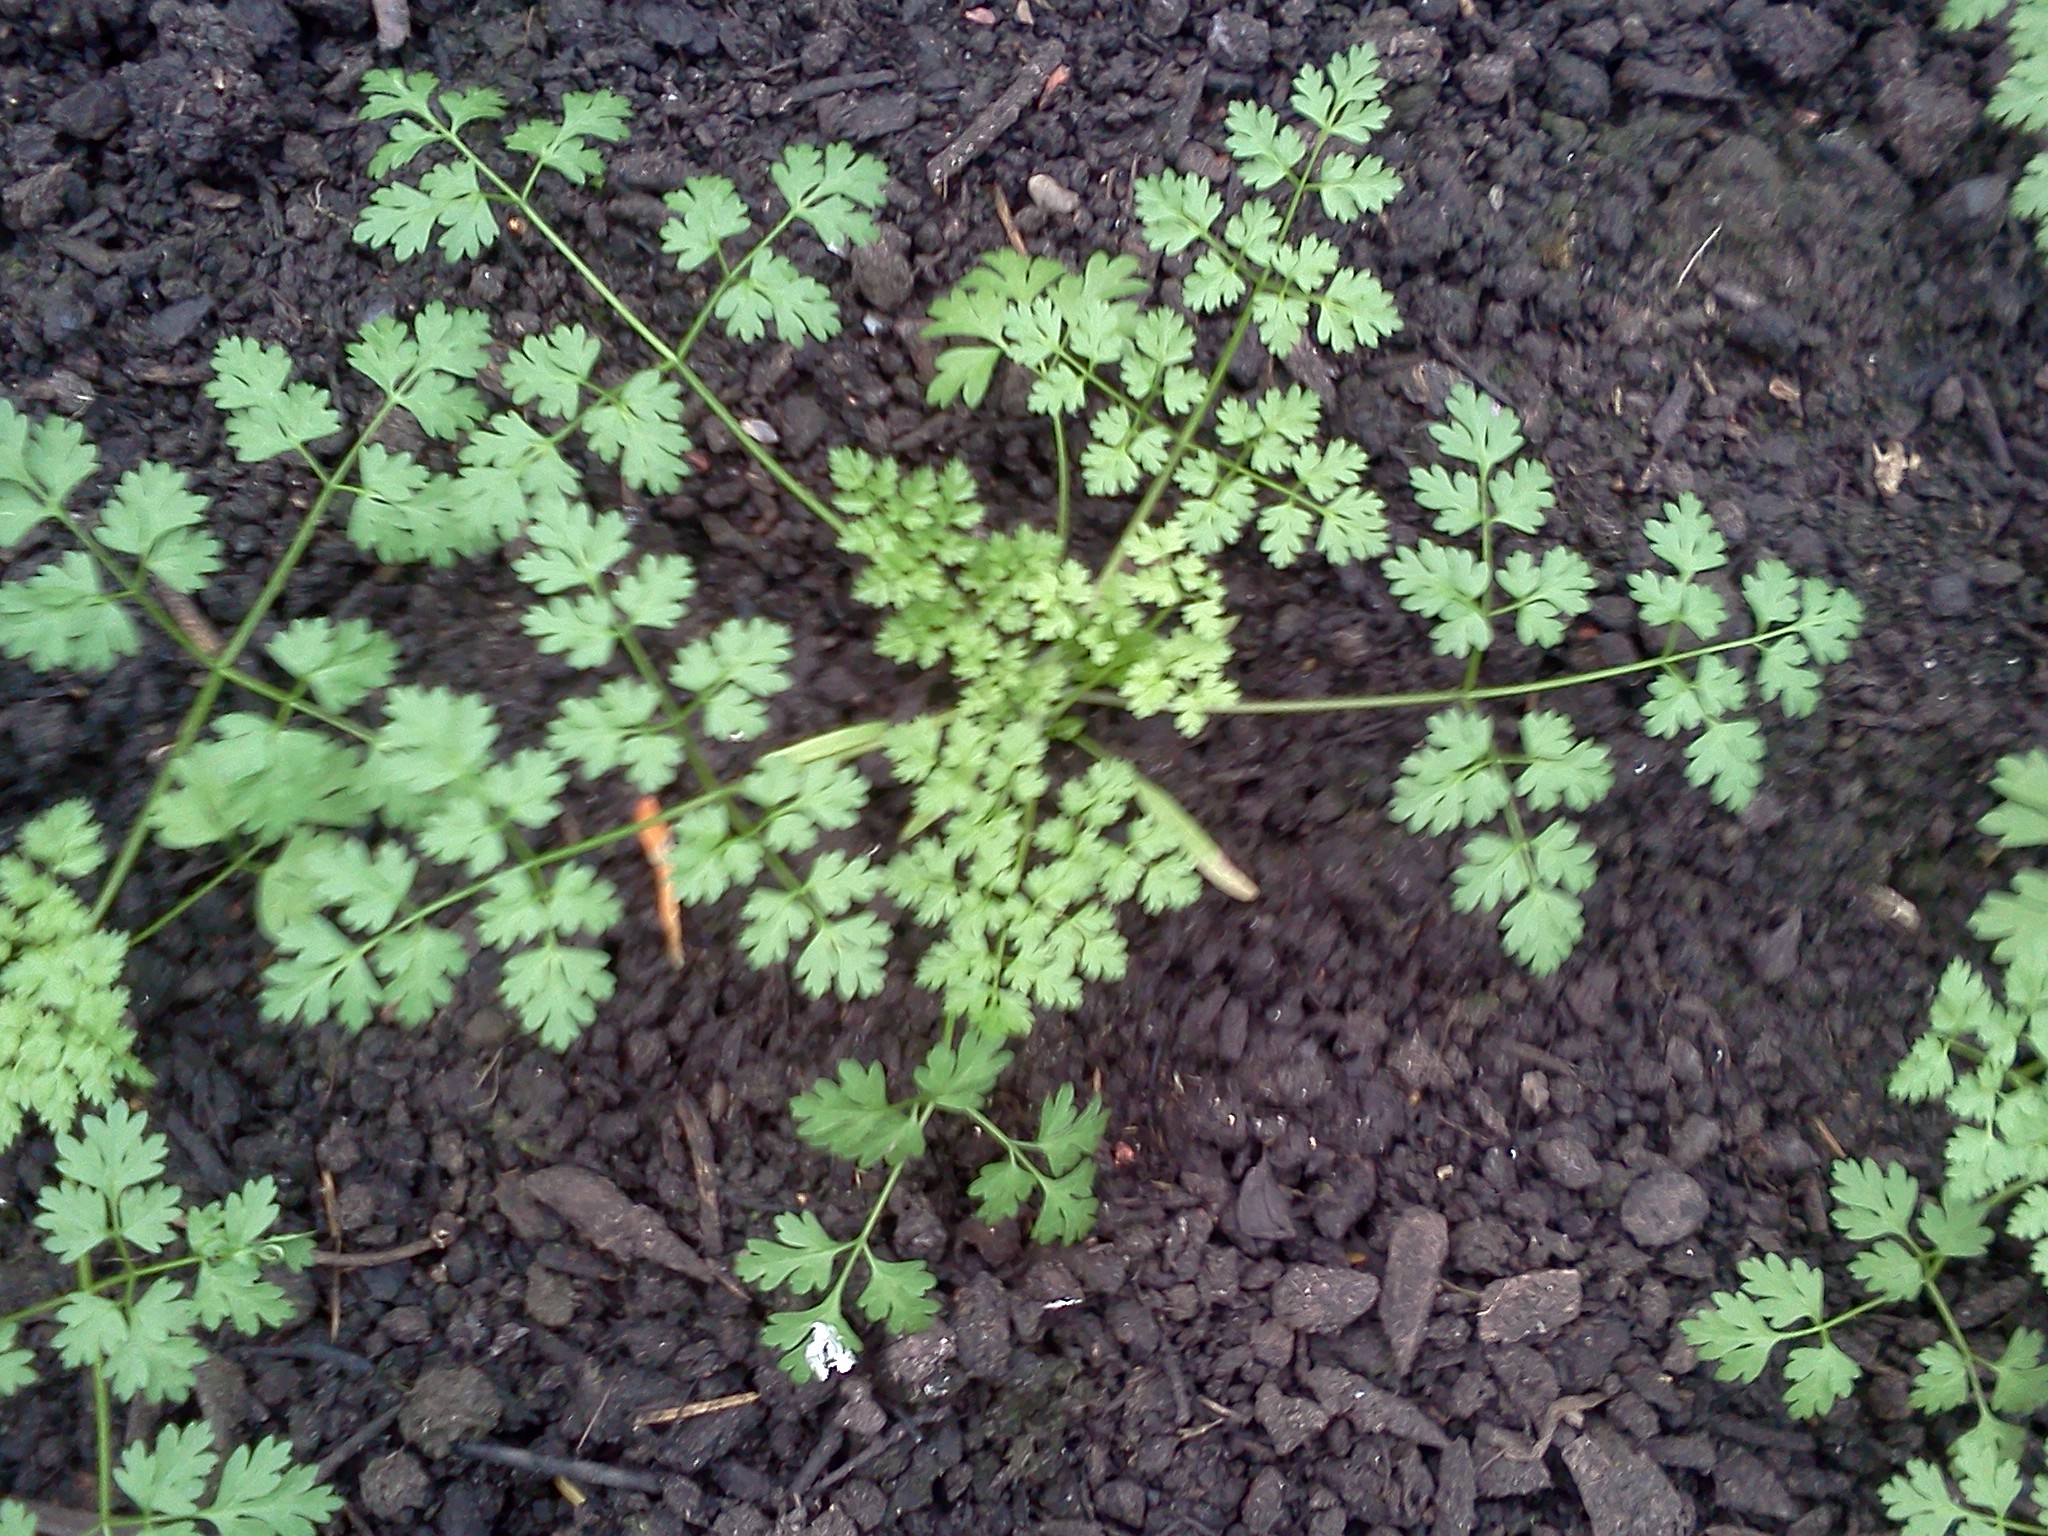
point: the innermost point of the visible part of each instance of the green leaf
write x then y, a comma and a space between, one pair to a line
1873, 1202
1955, 1228
422, 366
1266, 150
732, 671
551, 370
1352, 187
267, 412
771, 289
1066, 1206
961, 1077
1889, 1271
1344, 99
1069, 1133
2020, 1388
2021, 818
834, 190
1686, 538
1355, 311
60, 617
65, 840
898, 1294
320, 973
1561, 769
1734, 1334
1817, 1377
154, 516
565, 147
815, 1344
339, 664
17, 1366
616, 729
554, 990
638, 427
846, 957
145, 1346
1788, 1292
853, 1118
449, 198
1175, 209
261, 1492
169, 1478
1447, 584
708, 212
1725, 759
1454, 779
800, 1258
1000, 1190
41, 463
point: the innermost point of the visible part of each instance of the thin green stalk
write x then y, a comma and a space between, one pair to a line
201, 709
1066, 494
668, 355
1429, 697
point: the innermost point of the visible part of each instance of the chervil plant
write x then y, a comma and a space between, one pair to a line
2021, 97
396, 830
152, 1272
1983, 1057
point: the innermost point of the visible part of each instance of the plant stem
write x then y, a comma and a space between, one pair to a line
669, 356
219, 877
1066, 497
1429, 697
201, 709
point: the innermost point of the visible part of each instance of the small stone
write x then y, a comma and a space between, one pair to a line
1241, 41
1163, 18
36, 201
881, 274
1698, 1139
1416, 1249
1744, 1484
550, 1297
1999, 575
1663, 1208
1530, 1306
1291, 1421
449, 1403
1947, 403
1312, 1298
393, 1484
1051, 196
1774, 954
916, 1364
1123, 1501
1486, 80
1569, 1161
1578, 88
1794, 42
1262, 1207
1265, 1503
1973, 208
1626, 1493
177, 322
1950, 597
860, 118
92, 112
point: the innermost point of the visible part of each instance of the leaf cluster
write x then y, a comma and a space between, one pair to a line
72, 610
2020, 99
134, 1318
65, 1037
853, 1116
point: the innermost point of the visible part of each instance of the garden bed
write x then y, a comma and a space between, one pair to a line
1748, 252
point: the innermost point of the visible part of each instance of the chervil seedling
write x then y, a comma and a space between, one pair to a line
132, 1325
397, 829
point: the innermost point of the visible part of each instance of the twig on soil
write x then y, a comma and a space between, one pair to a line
445, 1232
1985, 415
394, 23
1686, 271
332, 1207
1005, 218
854, 1463
347, 1450
647, 1418
1820, 1129
831, 85
542, 1465
995, 119
1571, 1410
704, 1173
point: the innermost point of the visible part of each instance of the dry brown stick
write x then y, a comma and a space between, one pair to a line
559, 1466
346, 1450
994, 120
331, 1203
647, 1418
443, 1234
704, 1172
1005, 218
831, 85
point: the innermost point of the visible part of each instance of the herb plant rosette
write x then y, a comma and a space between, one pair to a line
392, 831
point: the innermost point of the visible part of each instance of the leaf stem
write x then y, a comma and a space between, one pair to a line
1430, 697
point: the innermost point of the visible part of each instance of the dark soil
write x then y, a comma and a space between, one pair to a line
1393, 1237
